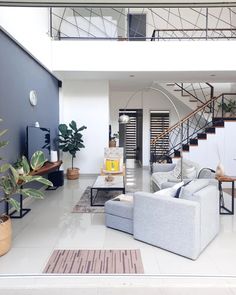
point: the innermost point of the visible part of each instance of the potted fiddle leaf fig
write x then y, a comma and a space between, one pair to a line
12, 184
70, 140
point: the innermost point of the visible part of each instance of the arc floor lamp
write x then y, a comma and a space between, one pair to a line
124, 118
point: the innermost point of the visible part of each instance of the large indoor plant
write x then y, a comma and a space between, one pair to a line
70, 140
12, 184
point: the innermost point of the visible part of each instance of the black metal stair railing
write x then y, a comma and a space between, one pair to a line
193, 127
200, 92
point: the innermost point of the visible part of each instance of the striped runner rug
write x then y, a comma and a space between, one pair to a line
95, 262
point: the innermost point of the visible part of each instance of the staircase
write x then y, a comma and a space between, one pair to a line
193, 128
191, 94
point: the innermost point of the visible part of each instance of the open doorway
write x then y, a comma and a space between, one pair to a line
131, 135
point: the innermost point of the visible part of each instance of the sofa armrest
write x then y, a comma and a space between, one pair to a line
169, 223
163, 167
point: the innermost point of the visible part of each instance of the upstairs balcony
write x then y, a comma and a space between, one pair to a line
143, 23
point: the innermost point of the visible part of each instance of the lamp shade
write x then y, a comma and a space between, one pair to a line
124, 119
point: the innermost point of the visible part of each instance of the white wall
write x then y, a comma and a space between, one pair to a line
30, 27
206, 153
152, 100
106, 56
88, 104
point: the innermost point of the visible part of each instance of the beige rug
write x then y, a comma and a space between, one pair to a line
95, 262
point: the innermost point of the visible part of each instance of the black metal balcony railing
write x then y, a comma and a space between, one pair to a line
143, 24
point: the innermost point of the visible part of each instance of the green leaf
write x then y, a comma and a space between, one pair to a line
25, 165
73, 125
3, 143
15, 174
37, 178
30, 192
4, 167
3, 132
15, 204
82, 128
37, 160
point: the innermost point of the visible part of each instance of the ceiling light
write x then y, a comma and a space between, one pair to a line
132, 76
212, 75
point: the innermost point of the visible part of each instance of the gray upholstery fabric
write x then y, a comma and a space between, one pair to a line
182, 226
194, 186
119, 215
121, 208
158, 167
168, 223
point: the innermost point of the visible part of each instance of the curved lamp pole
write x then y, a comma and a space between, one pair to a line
124, 119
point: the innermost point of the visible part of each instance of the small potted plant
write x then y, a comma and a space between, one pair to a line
113, 138
228, 108
70, 140
11, 185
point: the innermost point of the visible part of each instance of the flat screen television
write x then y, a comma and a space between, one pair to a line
38, 139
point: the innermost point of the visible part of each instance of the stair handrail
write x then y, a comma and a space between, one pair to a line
188, 116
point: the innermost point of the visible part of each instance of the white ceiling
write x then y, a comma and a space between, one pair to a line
124, 81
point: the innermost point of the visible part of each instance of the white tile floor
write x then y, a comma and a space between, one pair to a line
51, 225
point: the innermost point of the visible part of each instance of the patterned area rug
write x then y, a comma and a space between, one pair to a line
83, 206
95, 262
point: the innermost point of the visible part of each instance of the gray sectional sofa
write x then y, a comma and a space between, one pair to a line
184, 225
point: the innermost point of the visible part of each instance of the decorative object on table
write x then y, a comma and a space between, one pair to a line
36, 124
113, 139
85, 261
113, 161
70, 140
53, 156
33, 98
228, 108
220, 171
109, 178
11, 184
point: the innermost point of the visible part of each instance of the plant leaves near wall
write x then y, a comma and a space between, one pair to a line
25, 165
70, 140
37, 178
37, 160
4, 167
30, 192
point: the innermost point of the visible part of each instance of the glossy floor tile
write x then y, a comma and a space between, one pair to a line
51, 225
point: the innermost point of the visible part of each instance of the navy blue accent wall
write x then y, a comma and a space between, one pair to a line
20, 73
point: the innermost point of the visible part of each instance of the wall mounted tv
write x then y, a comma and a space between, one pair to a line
38, 139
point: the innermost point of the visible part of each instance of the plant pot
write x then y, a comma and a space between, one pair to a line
72, 173
227, 114
112, 143
5, 234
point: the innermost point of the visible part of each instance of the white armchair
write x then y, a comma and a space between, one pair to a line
166, 175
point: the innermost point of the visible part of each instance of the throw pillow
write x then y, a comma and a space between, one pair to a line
178, 192
189, 172
169, 192
125, 198
193, 187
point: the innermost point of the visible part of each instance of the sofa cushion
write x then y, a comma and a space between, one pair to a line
169, 192
189, 172
193, 187
119, 208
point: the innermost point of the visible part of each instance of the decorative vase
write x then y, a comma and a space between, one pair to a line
53, 157
5, 234
220, 170
112, 143
72, 173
